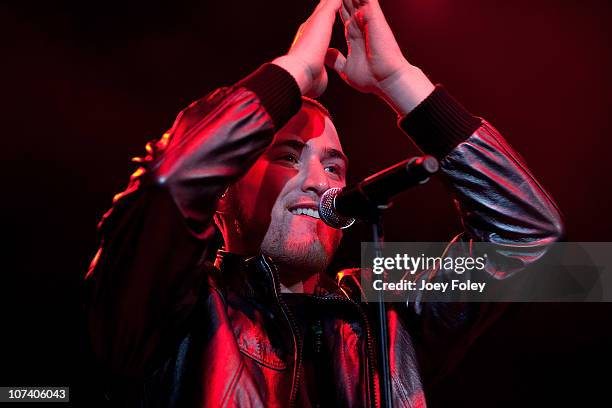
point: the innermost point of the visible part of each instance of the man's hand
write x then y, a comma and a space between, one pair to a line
374, 63
305, 60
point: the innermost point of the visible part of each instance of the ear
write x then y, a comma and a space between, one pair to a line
222, 208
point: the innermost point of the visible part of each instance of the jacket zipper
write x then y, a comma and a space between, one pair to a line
318, 334
297, 340
369, 343
317, 329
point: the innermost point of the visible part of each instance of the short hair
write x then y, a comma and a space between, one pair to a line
318, 105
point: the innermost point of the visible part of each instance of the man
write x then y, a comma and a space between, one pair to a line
265, 326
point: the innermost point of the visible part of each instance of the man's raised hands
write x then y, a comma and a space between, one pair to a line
374, 62
305, 60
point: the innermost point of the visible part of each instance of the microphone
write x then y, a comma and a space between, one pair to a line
339, 207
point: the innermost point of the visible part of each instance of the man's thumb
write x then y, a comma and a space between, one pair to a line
335, 60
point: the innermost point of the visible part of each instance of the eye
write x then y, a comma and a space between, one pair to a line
336, 169
289, 157
332, 169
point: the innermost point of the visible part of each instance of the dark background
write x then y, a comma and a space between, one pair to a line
85, 83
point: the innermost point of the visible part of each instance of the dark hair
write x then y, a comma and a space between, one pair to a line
318, 105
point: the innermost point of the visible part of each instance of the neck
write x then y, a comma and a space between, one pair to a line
307, 285
292, 278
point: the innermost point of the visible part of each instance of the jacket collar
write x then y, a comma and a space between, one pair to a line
256, 277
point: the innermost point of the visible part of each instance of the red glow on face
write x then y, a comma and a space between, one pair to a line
308, 124
304, 160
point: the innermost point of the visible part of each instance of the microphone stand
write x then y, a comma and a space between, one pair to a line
374, 217
367, 200
378, 237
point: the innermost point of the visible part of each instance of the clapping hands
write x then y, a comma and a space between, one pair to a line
374, 62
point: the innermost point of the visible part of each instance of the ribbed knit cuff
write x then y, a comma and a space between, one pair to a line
278, 91
439, 123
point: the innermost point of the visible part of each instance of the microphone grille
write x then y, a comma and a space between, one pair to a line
328, 213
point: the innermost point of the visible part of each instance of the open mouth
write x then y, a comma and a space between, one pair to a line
309, 212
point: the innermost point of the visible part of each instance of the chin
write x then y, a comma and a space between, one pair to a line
299, 250
302, 239
301, 243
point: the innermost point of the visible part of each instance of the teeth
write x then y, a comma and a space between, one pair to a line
306, 211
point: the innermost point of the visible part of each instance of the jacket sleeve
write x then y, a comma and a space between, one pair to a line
499, 202
143, 282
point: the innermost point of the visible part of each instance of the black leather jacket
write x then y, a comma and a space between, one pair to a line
173, 331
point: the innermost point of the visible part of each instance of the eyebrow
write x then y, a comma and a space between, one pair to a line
328, 152
335, 153
292, 143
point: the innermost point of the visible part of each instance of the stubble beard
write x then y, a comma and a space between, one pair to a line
308, 256
305, 255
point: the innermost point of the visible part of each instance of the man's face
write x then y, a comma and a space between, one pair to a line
276, 202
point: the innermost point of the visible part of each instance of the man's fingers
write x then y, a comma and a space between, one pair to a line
333, 5
344, 14
348, 5
335, 60
315, 33
298, 34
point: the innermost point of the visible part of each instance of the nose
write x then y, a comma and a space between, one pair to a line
314, 177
